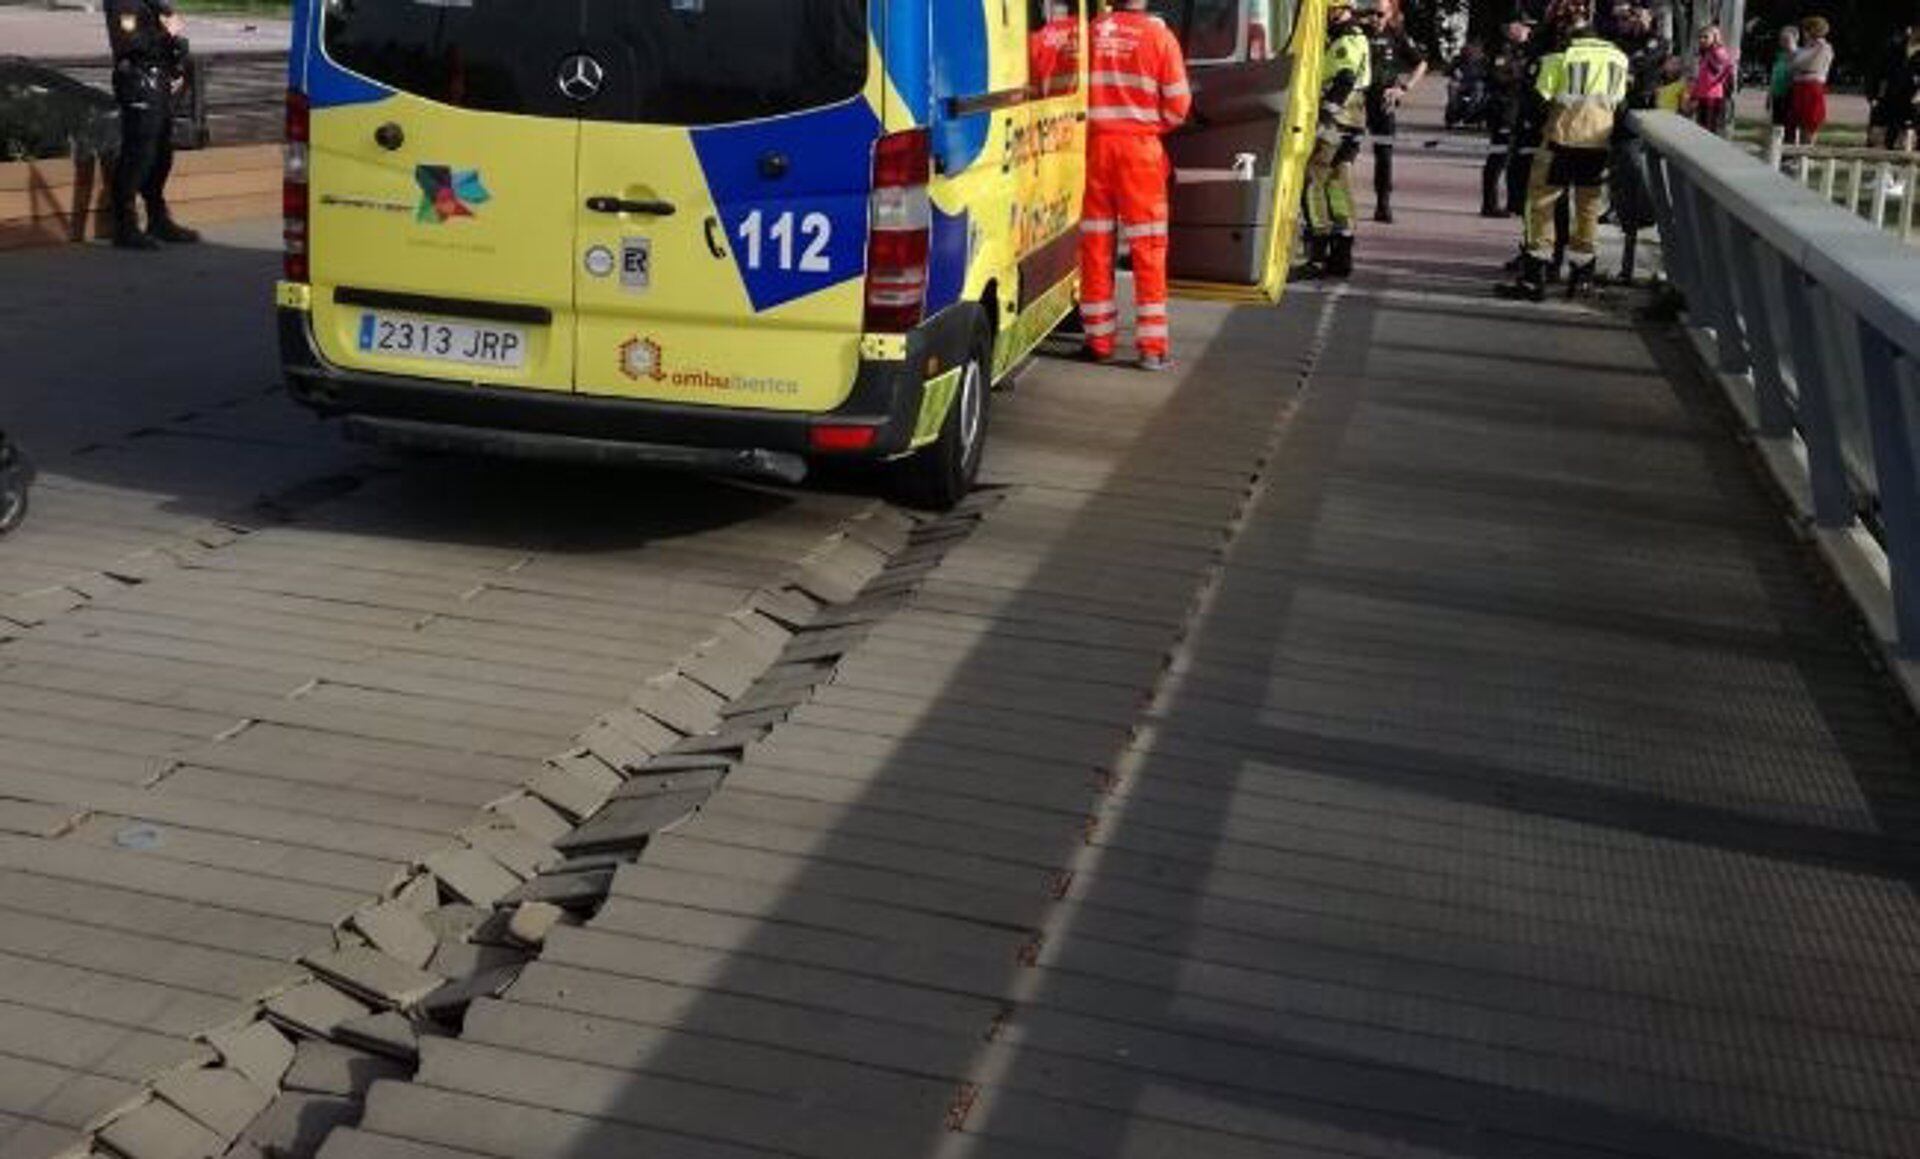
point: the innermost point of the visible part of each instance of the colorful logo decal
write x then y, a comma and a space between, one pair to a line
447, 193
642, 358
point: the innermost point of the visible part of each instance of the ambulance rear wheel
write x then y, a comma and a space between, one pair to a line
13, 505
940, 474
16, 478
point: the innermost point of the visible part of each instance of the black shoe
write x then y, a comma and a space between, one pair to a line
130, 239
1529, 283
1383, 214
1520, 291
168, 230
1492, 211
1340, 257
1581, 277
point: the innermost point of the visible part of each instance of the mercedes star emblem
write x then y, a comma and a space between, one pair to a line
580, 77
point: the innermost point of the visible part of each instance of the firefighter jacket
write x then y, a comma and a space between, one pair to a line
1349, 72
1583, 86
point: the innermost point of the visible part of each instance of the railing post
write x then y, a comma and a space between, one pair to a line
1672, 245
1707, 224
1693, 260
1814, 383
1892, 418
1882, 173
1749, 291
1776, 147
1908, 195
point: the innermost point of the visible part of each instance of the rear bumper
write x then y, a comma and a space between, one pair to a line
886, 396
784, 466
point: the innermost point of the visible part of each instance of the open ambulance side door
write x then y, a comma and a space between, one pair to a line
1240, 161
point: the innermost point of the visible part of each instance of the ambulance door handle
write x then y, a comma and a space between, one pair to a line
713, 238
622, 205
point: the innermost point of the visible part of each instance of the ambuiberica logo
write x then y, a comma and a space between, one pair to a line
447, 193
645, 359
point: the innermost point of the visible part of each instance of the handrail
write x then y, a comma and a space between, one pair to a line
1819, 314
1848, 153
104, 59
241, 105
1876, 178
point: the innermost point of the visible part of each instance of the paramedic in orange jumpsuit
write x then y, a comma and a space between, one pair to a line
1053, 53
1136, 91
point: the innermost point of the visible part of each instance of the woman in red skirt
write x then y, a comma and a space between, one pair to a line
1807, 93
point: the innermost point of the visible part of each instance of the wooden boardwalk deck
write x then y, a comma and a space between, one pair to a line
1409, 732
249, 675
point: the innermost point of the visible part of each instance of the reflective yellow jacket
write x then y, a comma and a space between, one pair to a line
1349, 70
1583, 84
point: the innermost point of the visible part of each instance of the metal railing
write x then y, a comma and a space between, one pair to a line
1815, 310
239, 96
1877, 184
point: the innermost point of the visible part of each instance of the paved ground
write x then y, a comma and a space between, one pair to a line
1408, 731
251, 674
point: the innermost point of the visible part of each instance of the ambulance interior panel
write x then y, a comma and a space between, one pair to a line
1223, 198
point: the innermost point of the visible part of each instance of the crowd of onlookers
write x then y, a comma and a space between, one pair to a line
1894, 92
1703, 84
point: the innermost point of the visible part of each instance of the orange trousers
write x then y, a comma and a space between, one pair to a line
1126, 197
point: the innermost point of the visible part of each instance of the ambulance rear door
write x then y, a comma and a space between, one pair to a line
725, 158
440, 160
1240, 162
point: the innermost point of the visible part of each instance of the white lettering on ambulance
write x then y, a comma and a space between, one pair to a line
815, 231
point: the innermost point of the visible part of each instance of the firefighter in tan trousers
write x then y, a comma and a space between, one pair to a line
1582, 86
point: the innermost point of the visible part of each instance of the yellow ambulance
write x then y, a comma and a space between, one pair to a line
730, 235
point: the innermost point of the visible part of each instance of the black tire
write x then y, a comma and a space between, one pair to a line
16, 478
939, 475
13, 505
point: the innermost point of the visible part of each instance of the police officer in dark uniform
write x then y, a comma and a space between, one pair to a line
149, 65
1506, 165
1398, 64
1530, 124
1632, 27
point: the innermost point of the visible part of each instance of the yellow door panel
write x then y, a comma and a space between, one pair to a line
736, 251
421, 211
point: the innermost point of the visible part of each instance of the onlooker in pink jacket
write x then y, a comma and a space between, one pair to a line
1713, 82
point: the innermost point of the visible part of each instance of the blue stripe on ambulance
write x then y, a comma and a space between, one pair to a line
326, 84
830, 153
959, 56
946, 259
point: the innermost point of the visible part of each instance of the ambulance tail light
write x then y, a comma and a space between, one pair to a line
293, 188
900, 217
